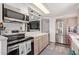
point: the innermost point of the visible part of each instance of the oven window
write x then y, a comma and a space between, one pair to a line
14, 52
35, 25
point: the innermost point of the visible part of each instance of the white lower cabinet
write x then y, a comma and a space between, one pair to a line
22, 49
28, 46
40, 43
25, 47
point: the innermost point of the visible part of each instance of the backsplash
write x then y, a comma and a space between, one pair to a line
14, 26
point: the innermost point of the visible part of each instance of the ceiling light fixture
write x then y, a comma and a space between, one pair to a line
42, 7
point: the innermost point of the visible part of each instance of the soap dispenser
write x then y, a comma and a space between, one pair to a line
1, 27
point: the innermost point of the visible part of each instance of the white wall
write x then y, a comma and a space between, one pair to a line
13, 26
52, 30
0, 12
45, 25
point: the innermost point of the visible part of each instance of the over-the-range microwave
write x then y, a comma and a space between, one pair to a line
13, 14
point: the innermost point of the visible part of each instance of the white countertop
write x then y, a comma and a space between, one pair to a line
3, 38
29, 34
34, 34
74, 38
13, 33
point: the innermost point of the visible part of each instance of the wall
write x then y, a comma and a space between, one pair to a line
0, 12
13, 26
52, 30
45, 25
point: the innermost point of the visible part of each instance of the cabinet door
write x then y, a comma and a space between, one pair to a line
43, 41
47, 40
40, 44
36, 46
72, 21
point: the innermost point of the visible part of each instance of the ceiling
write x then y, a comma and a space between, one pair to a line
59, 9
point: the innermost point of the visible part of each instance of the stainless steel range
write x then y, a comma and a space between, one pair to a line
18, 44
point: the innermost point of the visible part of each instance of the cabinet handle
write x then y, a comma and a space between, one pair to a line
22, 52
28, 48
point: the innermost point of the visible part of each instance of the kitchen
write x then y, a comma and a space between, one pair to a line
20, 31
25, 30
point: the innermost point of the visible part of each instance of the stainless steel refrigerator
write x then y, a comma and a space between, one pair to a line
60, 32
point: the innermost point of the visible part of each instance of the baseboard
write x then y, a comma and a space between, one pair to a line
60, 43
51, 42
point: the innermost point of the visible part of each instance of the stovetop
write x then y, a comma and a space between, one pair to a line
17, 38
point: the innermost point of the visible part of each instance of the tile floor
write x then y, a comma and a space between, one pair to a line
56, 49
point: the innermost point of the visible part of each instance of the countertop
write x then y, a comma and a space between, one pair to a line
28, 34
14, 33
74, 38
34, 34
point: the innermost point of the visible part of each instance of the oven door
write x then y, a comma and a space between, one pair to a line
13, 50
